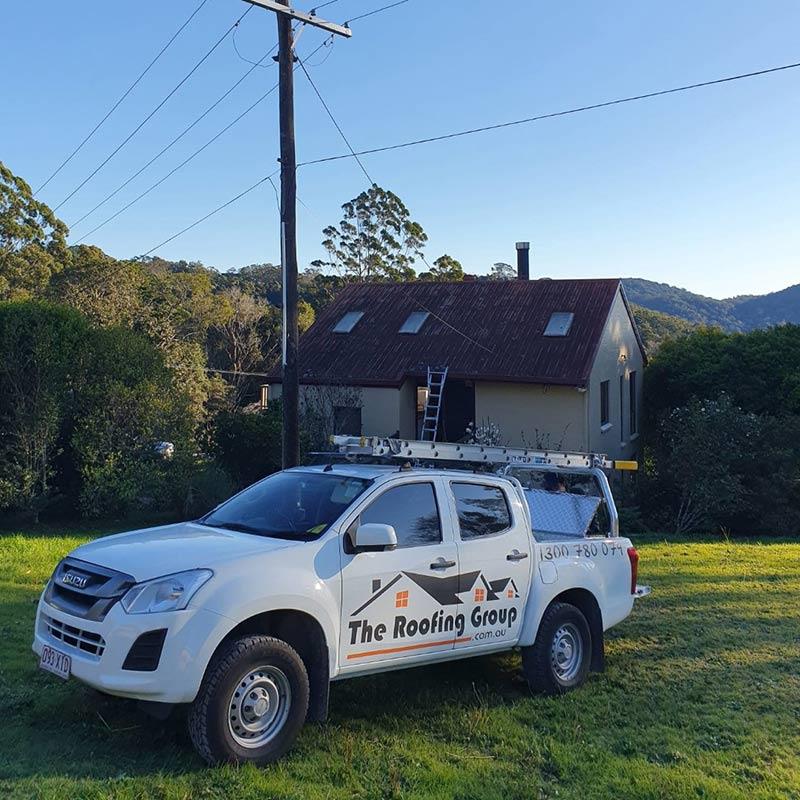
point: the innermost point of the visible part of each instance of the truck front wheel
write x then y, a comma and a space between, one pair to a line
559, 659
251, 704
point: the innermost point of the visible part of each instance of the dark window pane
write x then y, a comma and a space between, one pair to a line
633, 408
411, 510
604, 419
482, 510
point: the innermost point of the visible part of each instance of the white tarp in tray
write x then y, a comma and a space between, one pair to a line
561, 512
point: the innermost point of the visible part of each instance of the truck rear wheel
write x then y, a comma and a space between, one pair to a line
252, 702
559, 659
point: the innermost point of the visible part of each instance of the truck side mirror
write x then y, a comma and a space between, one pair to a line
374, 537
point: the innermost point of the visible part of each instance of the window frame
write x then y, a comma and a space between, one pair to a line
605, 405
484, 484
633, 411
347, 539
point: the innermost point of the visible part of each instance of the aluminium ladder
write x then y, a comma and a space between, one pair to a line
433, 406
377, 446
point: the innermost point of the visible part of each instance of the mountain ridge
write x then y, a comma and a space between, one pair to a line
741, 313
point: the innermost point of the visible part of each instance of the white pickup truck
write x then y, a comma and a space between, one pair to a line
327, 572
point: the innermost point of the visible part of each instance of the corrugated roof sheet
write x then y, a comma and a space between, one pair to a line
484, 330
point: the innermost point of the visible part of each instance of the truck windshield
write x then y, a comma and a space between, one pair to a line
288, 505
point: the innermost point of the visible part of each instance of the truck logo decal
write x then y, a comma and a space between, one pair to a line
74, 579
489, 622
446, 589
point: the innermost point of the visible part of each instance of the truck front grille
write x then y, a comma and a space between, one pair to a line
86, 641
86, 590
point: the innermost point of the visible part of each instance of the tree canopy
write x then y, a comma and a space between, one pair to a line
32, 239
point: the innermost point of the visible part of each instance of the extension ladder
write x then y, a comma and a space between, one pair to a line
433, 407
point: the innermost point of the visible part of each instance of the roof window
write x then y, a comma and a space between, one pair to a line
348, 322
416, 319
559, 323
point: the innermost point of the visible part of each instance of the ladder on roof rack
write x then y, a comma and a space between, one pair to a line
377, 446
433, 406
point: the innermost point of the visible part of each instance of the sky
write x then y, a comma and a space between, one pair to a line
698, 189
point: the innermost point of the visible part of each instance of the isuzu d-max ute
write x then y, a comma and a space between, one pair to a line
321, 573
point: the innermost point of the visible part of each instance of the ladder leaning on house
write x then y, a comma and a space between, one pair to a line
433, 406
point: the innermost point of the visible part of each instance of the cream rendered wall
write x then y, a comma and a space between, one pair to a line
618, 355
380, 411
534, 415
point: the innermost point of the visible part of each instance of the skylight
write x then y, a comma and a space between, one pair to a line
348, 322
416, 319
559, 324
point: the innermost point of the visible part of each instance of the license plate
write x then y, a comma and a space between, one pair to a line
58, 663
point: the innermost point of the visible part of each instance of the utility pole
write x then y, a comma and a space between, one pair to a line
290, 367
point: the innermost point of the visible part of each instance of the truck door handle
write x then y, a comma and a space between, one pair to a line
440, 563
515, 555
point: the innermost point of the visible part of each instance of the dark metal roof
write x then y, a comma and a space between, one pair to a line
482, 330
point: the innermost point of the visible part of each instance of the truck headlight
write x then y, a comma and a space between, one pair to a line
168, 593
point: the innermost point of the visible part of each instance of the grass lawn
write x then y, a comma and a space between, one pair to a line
701, 698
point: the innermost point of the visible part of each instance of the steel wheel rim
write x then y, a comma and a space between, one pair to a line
259, 706
566, 652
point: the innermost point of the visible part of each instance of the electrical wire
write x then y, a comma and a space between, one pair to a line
333, 120
178, 167
243, 58
551, 115
176, 139
376, 11
212, 213
154, 111
124, 95
185, 161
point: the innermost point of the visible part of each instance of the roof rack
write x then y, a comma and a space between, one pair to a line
376, 446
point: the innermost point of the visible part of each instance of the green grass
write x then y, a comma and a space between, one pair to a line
700, 699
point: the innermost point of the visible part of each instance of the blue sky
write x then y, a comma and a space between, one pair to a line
697, 189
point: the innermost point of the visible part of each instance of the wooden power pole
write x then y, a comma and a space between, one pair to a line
290, 371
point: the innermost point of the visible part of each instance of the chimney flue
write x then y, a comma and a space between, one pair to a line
523, 261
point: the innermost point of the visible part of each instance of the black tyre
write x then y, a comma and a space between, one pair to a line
252, 702
559, 659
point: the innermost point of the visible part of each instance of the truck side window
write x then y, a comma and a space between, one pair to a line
482, 510
412, 511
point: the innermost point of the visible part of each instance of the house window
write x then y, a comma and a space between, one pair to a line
480, 595
416, 319
347, 420
411, 510
401, 599
634, 422
604, 408
348, 322
482, 510
559, 323
622, 408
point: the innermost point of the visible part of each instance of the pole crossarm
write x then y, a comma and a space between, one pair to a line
309, 19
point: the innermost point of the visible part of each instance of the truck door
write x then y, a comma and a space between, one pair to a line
401, 604
495, 554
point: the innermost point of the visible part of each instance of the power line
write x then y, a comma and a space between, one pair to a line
119, 101
183, 163
154, 111
180, 166
539, 117
211, 213
243, 58
376, 11
333, 120
177, 138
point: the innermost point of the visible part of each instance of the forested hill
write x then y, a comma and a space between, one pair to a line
742, 313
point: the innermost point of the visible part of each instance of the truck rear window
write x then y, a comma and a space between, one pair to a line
482, 510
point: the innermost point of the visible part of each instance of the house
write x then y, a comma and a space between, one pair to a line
551, 363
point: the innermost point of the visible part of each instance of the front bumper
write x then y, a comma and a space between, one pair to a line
192, 636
